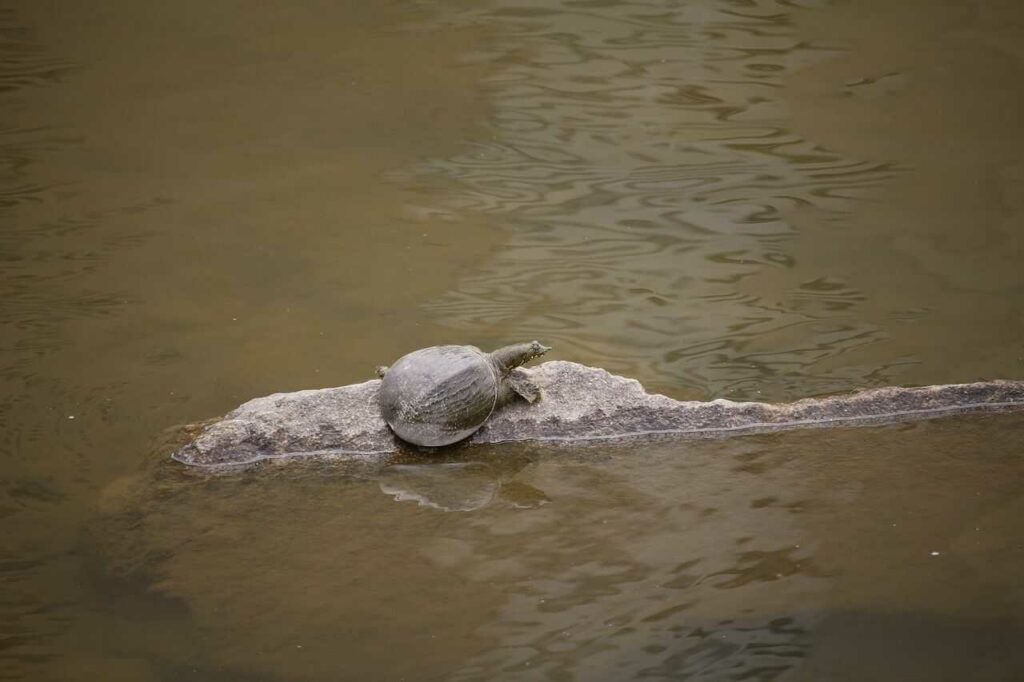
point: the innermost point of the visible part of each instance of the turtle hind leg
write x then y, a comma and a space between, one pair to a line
523, 386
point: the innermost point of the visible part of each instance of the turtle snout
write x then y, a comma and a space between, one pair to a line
538, 348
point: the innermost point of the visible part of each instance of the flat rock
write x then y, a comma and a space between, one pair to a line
579, 404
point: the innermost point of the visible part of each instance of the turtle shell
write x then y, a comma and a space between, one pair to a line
439, 395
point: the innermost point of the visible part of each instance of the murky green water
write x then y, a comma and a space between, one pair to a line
202, 202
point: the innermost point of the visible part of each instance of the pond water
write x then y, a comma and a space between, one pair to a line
204, 202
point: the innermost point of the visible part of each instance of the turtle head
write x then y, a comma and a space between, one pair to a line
537, 349
510, 357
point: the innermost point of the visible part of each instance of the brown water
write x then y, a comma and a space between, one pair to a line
204, 202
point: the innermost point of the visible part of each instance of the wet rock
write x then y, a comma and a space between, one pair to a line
579, 404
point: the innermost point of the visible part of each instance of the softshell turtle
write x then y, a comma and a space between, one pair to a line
439, 395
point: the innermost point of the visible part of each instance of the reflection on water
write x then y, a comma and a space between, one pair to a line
204, 201
460, 486
644, 161
742, 559
668, 220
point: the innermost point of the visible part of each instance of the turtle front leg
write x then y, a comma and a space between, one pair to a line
523, 386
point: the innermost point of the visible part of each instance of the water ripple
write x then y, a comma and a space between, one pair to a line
23, 63
642, 161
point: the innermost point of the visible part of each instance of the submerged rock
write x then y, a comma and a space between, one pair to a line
579, 404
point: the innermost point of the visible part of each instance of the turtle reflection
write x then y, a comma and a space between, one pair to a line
460, 486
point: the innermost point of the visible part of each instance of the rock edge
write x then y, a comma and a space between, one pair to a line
580, 403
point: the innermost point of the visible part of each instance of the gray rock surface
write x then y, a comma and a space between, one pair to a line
579, 404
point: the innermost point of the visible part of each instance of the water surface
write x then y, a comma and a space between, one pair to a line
205, 202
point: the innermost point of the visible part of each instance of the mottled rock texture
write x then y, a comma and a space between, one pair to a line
579, 404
